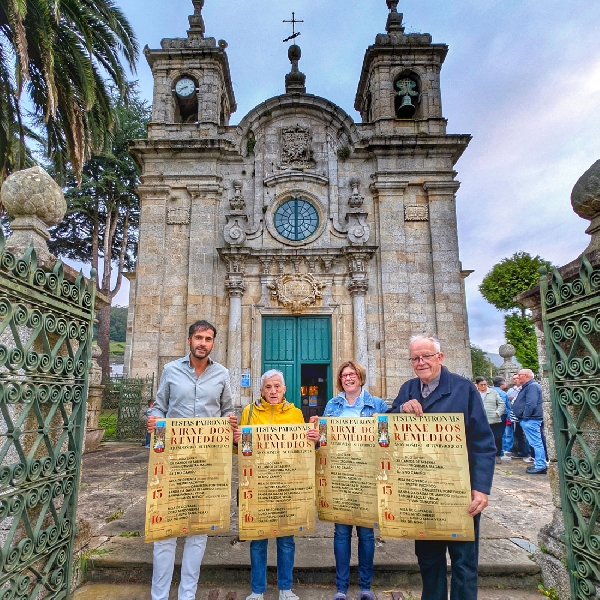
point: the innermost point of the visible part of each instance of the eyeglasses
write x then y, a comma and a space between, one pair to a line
424, 358
347, 375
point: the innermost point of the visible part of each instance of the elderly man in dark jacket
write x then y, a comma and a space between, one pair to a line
436, 390
528, 409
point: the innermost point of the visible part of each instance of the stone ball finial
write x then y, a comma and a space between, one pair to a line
585, 200
294, 52
506, 351
33, 193
585, 197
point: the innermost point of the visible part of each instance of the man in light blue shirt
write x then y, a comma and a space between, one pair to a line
192, 386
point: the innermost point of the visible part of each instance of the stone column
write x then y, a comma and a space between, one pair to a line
451, 320
358, 286
235, 287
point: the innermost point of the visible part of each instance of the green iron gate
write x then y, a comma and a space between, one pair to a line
133, 399
45, 343
571, 317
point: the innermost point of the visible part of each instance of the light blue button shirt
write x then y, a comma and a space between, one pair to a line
183, 395
355, 409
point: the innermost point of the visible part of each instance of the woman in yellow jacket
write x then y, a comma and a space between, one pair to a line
272, 409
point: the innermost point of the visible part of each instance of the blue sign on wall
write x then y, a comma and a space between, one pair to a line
245, 380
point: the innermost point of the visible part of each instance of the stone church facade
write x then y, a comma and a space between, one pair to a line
306, 238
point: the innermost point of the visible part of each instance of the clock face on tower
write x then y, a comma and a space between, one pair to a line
185, 87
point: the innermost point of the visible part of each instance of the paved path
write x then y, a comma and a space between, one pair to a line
112, 499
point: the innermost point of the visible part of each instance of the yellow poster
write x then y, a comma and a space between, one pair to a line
423, 484
346, 467
277, 481
189, 478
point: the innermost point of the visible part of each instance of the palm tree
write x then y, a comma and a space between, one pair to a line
57, 61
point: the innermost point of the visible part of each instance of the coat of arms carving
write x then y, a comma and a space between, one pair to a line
295, 148
296, 290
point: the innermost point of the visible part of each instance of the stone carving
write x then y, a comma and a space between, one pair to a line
416, 212
358, 285
36, 202
585, 200
295, 148
297, 290
358, 229
235, 230
178, 215
235, 286
356, 200
237, 202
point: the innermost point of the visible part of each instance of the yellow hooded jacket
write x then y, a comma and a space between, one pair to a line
263, 413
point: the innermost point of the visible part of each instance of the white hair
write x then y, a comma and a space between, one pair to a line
429, 338
271, 373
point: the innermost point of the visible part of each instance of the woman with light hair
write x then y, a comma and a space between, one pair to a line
272, 408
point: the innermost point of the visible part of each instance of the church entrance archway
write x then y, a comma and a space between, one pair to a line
300, 347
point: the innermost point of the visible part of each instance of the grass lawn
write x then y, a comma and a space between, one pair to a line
108, 420
117, 348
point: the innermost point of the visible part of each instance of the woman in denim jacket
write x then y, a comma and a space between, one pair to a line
353, 401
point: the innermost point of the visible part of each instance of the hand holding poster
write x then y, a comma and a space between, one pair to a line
277, 481
346, 465
423, 487
189, 478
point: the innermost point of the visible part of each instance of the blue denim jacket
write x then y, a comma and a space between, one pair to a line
372, 405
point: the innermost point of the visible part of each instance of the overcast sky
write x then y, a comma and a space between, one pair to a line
522, 77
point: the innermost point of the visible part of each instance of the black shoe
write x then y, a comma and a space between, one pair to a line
534, 471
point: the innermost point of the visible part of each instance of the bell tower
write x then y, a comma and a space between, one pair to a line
192, 83
400, 80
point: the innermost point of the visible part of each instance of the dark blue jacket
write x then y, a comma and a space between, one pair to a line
455, 394
528, 404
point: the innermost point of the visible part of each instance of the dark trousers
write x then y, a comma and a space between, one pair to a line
498, 431
464, 557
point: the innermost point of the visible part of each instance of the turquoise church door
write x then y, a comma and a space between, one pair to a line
300, 347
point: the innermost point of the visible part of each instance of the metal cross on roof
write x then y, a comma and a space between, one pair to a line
295, 33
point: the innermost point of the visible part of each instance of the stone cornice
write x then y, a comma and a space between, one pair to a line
432, 145
291, 176
441, 187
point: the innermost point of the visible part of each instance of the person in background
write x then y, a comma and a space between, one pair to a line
494, 407
523, 449
508, 439
272, 409
528, 409
353, 401
145, 412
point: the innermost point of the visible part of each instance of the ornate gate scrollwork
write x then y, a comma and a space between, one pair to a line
45, 346
571, 318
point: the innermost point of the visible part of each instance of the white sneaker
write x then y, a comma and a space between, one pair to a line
528, 459
286, 595
506, 457
508, 454
254, 596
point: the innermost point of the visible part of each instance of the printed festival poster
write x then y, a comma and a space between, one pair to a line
276, 481
345, 471
423, 484
189, 478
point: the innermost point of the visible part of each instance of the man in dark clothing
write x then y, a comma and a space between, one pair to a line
528, 409
436, 390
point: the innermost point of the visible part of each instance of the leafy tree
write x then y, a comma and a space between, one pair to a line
101, 224
482, 365
118, 323
507, 279
520, 332
57, 53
